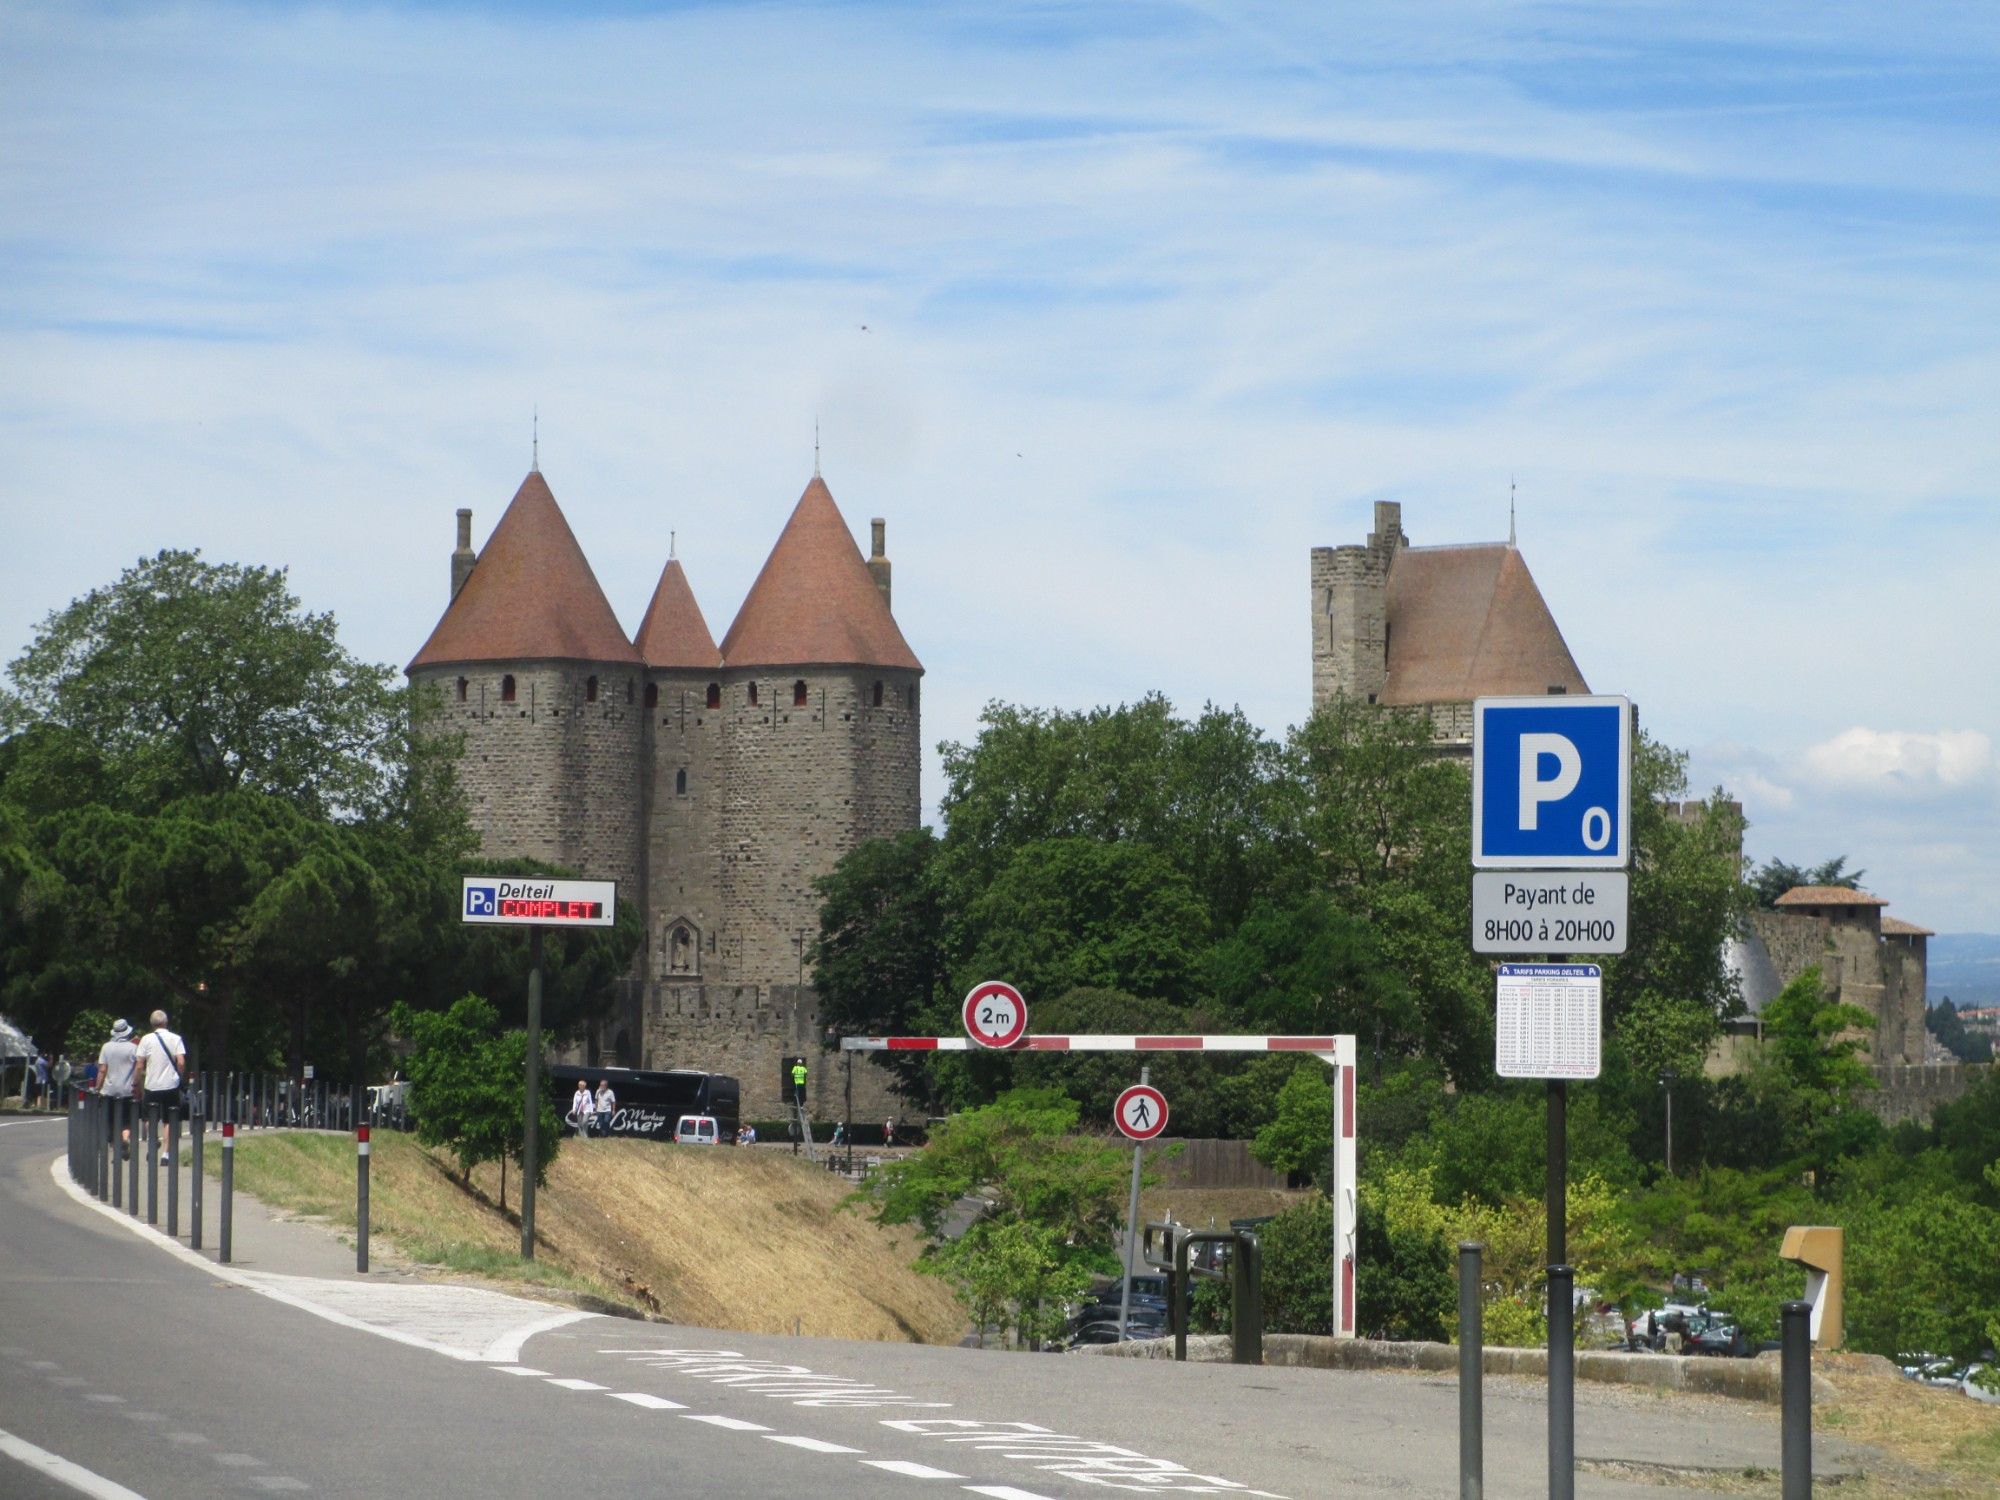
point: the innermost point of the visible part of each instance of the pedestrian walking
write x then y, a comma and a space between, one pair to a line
888, 1132
163, 1068
583, 1109
607, 1106
117, 1064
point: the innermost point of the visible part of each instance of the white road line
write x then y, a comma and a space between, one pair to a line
650, 1402
1004, 1492
578, 1385
914, 1471
811, 1445
278, 1482
520, 1370
63, 1471
734, 1424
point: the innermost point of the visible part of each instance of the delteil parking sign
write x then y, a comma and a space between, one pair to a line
1552, 783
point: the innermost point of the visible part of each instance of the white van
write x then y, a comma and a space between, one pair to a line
697, 1130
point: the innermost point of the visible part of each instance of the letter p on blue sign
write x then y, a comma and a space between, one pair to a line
1552, 783
479, 901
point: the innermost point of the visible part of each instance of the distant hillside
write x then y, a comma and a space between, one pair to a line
1965, 966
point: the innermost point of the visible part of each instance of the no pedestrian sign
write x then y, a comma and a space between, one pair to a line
1141, 1112
995, 1014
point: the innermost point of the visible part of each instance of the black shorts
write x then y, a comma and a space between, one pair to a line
163, 1104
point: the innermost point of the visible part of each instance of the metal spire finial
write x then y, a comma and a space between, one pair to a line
670, 546
815, 447
535, 459
1510, 510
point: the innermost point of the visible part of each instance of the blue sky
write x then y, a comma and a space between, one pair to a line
1156, 297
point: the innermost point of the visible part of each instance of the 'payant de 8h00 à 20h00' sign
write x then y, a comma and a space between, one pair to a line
995, 1014
1552, 783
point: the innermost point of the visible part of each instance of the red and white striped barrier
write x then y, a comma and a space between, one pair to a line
1336, 1051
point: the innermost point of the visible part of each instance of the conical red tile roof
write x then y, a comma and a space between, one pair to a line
674, 634
531, 596
1468, 622
816, 602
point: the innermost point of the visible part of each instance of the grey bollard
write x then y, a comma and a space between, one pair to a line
194, 1179
1246, 1314
171, 1133
361, 1198
1471, 1372
1795, 1344
135, 1148
1562, 1383
228, 1186
146, 1142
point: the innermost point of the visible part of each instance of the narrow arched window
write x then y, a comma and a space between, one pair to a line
652, 695
628, 690
878, 695
715, 695
913, 697
753, 695
680, 783
507, 688
461, 690
590, 690
799, 693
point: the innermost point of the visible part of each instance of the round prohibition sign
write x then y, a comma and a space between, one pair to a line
1141, 1112
995, 1014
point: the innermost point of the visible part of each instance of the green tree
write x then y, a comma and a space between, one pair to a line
879, 961
1942, 1022
1298, 1267
1300, 1139
1309, 968
1071, 912
1774, 877
1014, 1275
1813, 1065
466, 1088
189, 677
88, 1033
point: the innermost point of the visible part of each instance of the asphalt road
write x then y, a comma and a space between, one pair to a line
160, 1375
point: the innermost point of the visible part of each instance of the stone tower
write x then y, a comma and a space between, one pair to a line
684, 783
530, 664
822, 738
1432, 627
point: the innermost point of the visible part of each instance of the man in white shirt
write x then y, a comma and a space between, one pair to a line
163, 1063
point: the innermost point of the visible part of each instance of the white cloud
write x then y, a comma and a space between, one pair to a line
1899, 761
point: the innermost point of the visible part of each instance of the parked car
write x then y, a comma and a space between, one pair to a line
1982, 1382
1931, 1369
1718, 1335
697, 1130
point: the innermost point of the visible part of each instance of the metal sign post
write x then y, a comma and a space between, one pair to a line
1551, 842
537, 904
1119, 1114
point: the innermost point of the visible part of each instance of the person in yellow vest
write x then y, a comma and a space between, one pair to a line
799, 1081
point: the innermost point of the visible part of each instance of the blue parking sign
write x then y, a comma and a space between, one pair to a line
1552, 783
480, 901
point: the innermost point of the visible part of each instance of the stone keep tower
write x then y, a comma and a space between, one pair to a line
530, 663
714, 783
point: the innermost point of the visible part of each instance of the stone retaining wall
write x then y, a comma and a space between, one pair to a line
1748, 1379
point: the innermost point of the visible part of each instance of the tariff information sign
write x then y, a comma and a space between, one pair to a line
995, 1014
1549, 911
536, 902
1550, 1020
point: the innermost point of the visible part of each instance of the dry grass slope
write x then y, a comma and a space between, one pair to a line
749, 1240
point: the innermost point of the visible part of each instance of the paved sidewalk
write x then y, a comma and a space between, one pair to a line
309, 1266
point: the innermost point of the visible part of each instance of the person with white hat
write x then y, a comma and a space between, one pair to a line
117, 1061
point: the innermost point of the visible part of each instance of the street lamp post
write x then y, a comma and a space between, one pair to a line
1667, 1089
